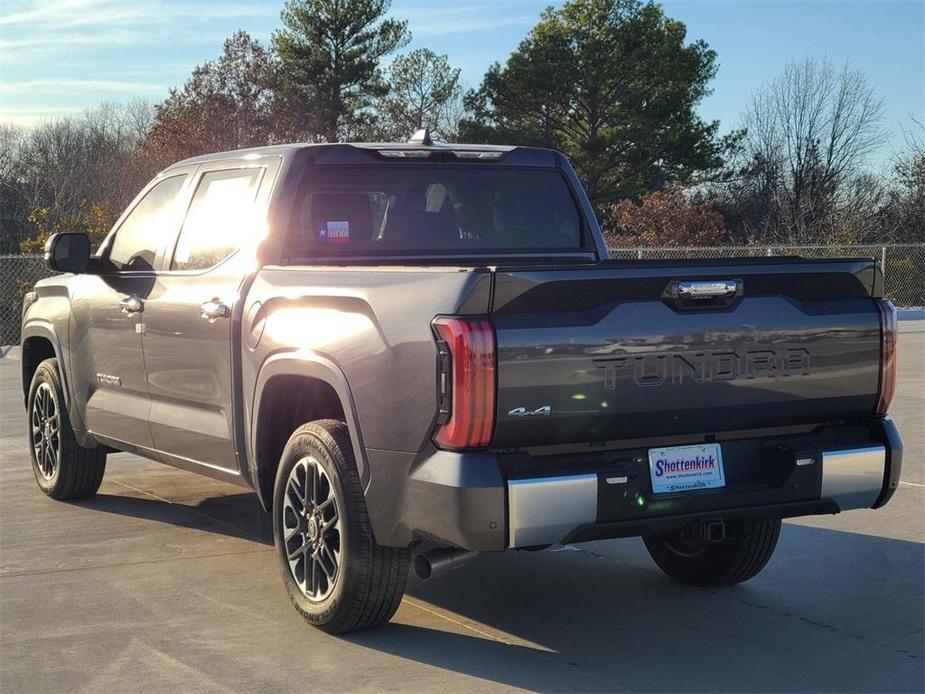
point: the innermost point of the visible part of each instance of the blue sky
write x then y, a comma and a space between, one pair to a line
61, 56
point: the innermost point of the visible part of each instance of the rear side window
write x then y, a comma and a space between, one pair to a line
432, 208
221, 213
150, 224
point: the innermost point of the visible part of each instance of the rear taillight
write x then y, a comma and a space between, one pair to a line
466, 381
889, 333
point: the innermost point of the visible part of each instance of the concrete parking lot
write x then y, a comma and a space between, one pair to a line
167, 581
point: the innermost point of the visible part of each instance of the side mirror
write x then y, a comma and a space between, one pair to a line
68, 252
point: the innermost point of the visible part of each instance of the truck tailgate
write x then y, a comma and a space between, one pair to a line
622, 350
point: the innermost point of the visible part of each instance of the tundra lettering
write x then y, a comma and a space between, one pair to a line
659, 369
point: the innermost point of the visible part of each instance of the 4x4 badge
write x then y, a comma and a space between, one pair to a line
543, 411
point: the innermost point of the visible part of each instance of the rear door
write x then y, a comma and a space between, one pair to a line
107, 313
191, 315
626, 350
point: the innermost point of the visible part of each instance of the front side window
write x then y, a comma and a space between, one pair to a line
432, 208
219, 217
149, 225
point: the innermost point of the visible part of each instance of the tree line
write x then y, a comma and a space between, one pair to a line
615, 84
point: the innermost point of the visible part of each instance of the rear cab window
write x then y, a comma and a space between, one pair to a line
433, 208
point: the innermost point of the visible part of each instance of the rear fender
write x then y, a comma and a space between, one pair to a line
308, 365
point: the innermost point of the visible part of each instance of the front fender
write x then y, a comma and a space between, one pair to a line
39, 327
45, 329
310, 365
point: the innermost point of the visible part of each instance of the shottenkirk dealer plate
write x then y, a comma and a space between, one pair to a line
686, 468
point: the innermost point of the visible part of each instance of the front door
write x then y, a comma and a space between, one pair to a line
107, 313
188, 340
107, 362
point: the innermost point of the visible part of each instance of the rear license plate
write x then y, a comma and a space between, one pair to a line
685, 468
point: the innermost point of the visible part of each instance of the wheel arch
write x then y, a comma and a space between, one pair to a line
38, 343
292, 389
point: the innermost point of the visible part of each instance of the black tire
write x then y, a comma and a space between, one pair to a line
368, 580
63, 468
745, 551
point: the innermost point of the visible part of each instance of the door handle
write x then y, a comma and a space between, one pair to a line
214, 309
131, 305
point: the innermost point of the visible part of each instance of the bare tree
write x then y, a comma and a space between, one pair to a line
11, 139
90, 155
63, 165
904, 213
227, 103
12, 207
424, 91
812, 130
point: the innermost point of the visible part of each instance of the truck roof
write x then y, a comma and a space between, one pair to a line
288, 149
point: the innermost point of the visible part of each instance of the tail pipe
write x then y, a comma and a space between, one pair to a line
441, 561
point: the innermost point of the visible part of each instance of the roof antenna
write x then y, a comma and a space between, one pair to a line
421, 137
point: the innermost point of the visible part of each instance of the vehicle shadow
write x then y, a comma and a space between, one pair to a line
834, 611
236, 515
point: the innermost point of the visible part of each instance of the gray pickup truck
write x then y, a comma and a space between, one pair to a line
416, 352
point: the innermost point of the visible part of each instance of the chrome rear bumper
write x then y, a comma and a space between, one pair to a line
546, 510
853, 478
541, 511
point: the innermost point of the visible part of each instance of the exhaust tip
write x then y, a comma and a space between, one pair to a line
441, 561
422, 567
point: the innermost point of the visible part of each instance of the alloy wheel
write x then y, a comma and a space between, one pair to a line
312, 529
45, 425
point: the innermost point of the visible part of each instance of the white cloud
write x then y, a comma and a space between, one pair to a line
29, 116
85, 51
40, 12
63, 84
89, 39
61, 50
35, 31
74, 13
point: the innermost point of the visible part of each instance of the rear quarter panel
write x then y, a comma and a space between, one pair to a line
373, 325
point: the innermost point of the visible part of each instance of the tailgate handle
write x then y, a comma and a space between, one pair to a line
703, 295
707, 289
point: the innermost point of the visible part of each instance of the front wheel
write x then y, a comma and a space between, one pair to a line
336, 575
745, 551
63, 468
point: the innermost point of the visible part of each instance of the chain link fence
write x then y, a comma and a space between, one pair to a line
18, 273
903, 264
904, 271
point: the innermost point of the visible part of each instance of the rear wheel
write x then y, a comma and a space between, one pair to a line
336, 575
745, 552
63, 468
